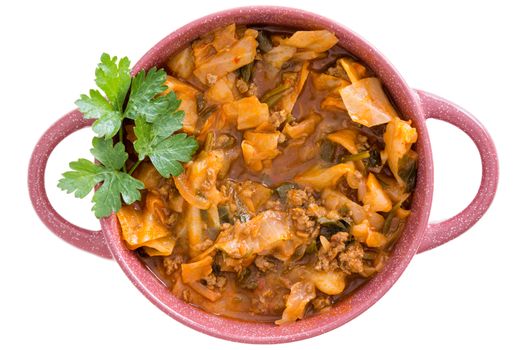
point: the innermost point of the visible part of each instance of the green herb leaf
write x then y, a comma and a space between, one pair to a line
114, 79
375, 158
95, 106
327, 150
168, 154
407, 170
355, 157
156, 117
264, 42
81, 180
282, 190
113, 157
165, 151
115, 183
246, 72
144, 87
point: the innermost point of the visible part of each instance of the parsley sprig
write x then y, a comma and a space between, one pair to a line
157, 118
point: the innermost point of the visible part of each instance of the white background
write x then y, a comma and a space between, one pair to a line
466, 294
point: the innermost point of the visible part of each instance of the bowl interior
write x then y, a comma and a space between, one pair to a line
405, 248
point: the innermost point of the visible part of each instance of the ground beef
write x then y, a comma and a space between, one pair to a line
327, 258
165, 188
273, 204
211, 78
249, 278
351, 260
321, 301
214, 281
269, 302
204, 245
172, 263
296, 197
302, 221
252, 90
186, 295
316, 210
172, 217
241, 86
229, 264
277, 118
337, 71
263, 263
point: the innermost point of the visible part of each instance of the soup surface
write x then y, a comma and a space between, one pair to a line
300, 187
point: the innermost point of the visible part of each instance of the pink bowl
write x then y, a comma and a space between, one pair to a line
419, 235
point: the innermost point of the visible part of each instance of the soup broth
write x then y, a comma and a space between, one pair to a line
301, 185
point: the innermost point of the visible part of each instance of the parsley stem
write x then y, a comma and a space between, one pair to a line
120, 135
130, 172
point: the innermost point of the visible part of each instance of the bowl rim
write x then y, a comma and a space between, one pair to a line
367, 295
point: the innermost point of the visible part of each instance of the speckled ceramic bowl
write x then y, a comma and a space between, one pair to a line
418, 236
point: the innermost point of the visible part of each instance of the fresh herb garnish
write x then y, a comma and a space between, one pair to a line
114, 80
156, 117
165, 151
115, 183
408, 170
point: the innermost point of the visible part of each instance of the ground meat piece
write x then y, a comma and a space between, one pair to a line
252, 90
172, 263
273, 205
321, 301
268, 302
166, 188
241, 86
333, 215
249, 278
263, 263
204, 245
225, 141
172, 218
211, 78
337, 71
302, 222
225, 226
351, 260
229, 264
339, 237
316, 210
277, 118
327, 257
186, 295
362, 138
296, 197
214, 281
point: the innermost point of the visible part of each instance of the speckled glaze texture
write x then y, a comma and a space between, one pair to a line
91, 241
418, 235
442, 232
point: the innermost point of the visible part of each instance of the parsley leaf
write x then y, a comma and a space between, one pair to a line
115, 183
95, 106
144, 87
114, 79
82, 179
165, 151
168, 154
157, 117
113, 157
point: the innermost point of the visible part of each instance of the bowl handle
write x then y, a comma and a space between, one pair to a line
441, 232
91, 241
